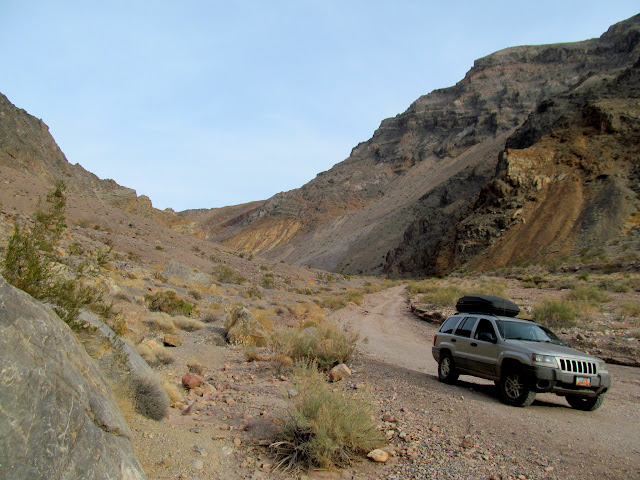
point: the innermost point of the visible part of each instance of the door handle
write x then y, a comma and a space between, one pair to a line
453, 340
474, 344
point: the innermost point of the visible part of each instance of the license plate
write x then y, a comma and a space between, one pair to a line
583, 381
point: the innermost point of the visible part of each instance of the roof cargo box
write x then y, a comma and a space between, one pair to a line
487, 304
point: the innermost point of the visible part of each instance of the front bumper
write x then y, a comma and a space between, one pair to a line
554, 380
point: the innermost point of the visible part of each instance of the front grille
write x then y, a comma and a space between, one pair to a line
577, 366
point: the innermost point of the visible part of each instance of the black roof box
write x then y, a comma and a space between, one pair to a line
487, 304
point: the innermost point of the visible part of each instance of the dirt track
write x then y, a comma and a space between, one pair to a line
545, 440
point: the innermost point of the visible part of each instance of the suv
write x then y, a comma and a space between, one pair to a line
521, 356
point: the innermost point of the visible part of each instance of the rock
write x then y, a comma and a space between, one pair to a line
59, 417
196, 367
198, 464
172, 340
387, 417
339, 372
242, 328
186, 274
191, 380
467, 442
378, 455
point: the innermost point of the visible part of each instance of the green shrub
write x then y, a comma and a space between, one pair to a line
555, 314
226, 274
324, 427
630, 309
168, 301
29, 264
444, 296
336, 302
588, 295
325, 344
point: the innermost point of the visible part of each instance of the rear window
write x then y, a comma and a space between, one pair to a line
465, 328
449, 325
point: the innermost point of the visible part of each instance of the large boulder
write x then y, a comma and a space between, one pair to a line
187, 274
243, 328
58, 417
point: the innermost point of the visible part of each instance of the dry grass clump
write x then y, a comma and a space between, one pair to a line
149, 396
173, 391
629, 309
155, 354
159, 321
555, 314
325, 344
187, 324
324, 427
281, 363
336, 302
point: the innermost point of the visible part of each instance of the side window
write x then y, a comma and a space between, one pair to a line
485, 331
466, 327
449, 325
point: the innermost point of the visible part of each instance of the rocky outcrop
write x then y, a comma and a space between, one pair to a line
349, 218
568, 182
58, 418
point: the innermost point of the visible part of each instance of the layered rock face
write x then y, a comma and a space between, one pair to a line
349, 218
58, 418
567, 183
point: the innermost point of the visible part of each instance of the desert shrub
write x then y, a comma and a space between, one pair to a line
173, 391
324, 427
187, 324
446, 296
168, 301
629, 309
555, 314
326, 344
29, 263
160, 321
149, 397
252, 354
164, 355
267, 281
226, 274
336, 302
281, 363
495, 288
612, 285
588, 295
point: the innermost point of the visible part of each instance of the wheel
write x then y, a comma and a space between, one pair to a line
447, 371
515, 390
588, 404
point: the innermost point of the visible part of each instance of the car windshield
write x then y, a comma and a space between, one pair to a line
530, 332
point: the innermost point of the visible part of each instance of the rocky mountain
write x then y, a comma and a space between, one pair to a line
430, 162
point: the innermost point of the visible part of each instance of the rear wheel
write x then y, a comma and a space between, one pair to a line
515, 390
588, 404
447, 371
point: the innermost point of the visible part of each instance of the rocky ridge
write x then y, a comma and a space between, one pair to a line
349, 218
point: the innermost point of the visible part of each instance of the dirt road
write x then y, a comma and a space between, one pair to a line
545, 440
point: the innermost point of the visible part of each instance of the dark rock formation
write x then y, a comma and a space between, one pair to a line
58, 418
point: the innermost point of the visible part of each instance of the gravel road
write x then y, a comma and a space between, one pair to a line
463, 431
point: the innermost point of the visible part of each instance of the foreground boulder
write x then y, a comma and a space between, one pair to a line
243, 328
58, 418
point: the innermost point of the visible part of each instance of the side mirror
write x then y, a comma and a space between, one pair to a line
487, 337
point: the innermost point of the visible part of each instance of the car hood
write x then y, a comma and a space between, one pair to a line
550, 349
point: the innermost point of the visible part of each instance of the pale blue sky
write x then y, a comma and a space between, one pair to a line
212, 103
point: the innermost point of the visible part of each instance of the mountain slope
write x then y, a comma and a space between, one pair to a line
349, 218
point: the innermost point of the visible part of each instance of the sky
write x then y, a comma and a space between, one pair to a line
202, 104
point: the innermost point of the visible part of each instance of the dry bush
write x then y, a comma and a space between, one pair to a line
164, 355
629, 309
155, 354
149, 397
555, 314
187, 324
324, 427
160, 321
336, 302
282, 363
173, 391
147, 353
252, 354
168, 301
325, 344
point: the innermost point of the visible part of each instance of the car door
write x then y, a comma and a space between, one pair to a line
462, 340
483, 350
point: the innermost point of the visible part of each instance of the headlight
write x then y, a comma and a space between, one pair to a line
602, 367
547, 360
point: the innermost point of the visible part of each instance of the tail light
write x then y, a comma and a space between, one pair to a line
434, 339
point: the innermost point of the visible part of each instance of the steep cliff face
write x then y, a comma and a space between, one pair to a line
350, 217
568, 182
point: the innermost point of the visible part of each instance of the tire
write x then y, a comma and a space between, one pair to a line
447, 371
515, 390
588, 404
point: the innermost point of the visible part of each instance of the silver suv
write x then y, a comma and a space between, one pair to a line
521, 356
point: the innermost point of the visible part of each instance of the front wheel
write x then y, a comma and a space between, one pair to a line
447, 371
514, 389
588, 404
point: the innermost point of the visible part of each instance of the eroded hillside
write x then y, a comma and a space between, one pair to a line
348, 218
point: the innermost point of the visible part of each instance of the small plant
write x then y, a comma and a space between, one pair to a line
226, 274
324, 427
160, 248
555, 314
629, 309
149, 396
588, 295
168, 301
